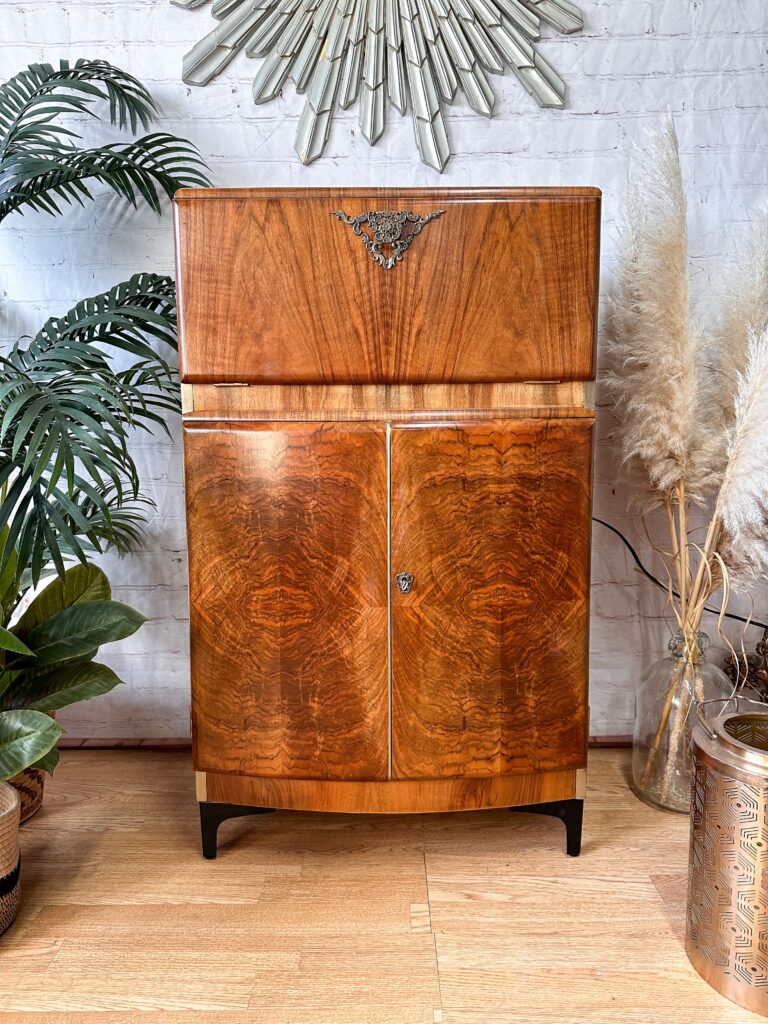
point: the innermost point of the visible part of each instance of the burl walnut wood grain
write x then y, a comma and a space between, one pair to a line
489, 656
287, 528
273, 288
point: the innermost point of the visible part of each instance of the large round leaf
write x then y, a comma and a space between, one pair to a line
81, 583
80, 629
63, 685
25, 737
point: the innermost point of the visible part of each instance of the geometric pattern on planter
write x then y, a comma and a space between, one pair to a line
728, 875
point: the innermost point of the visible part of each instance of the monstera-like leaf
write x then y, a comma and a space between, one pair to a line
26, 738
49, 662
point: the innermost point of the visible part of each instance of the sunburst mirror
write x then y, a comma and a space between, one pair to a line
408, 52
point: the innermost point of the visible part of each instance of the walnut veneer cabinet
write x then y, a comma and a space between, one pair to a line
388, 443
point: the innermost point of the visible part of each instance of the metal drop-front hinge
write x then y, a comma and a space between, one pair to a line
404, 582
387, 227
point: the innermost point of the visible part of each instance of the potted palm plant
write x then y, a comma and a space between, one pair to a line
68, 485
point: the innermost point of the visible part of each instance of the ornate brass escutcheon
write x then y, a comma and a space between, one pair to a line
387, 227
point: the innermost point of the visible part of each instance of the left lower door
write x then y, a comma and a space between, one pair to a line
287, 531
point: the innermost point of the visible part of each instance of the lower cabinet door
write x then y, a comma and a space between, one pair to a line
287, 526
489, 643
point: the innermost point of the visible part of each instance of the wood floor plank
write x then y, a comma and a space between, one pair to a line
264, 1015
359, 971
475, 918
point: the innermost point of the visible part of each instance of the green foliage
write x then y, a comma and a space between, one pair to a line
69, 482
41, 164
25, 738
80, 583
52, 665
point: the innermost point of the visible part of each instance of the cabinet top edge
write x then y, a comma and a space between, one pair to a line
500, 194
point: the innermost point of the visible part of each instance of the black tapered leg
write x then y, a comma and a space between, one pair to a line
571, 812
211, 816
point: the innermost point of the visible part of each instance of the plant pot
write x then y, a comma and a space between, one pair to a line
30, 785
10, 888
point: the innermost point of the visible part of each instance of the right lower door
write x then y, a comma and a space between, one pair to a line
491, 519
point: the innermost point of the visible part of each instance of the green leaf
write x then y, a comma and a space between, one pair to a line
81, 583
149, 167
48, 762
8, 573
63, 685
25, 737
77, 630
9, 642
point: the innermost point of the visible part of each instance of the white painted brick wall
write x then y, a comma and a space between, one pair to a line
704, 59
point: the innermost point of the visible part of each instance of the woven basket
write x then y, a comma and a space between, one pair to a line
30, 785
10, 889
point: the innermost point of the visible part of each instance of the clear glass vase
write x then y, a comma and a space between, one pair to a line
664, 716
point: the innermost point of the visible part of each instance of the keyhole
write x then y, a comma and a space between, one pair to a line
404, 582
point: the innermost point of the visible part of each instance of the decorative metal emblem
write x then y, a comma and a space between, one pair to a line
409, 52
404, 581
387, 228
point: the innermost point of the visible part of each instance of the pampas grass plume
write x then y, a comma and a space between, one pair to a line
742, 505
661, 400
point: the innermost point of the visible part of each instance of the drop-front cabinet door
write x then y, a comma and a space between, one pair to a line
489, 656
287, 526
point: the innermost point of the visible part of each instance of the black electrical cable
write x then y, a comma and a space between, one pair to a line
653, 579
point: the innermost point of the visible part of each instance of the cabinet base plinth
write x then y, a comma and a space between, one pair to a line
556, 793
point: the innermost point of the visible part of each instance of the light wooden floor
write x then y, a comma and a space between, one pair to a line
311, 919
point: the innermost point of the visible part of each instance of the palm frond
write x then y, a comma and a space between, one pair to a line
68, 482
144, 305
41, 164
31, 100
146, 169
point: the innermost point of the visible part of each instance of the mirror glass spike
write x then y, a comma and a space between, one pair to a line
407, 54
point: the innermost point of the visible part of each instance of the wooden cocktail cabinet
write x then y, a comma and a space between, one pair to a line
388, 442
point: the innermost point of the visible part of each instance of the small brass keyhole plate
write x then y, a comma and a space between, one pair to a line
404, 582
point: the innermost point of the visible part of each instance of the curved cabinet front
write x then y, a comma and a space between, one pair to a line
489, 646
287, 527
389, 605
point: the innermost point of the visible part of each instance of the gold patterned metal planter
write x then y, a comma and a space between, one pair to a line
727, 927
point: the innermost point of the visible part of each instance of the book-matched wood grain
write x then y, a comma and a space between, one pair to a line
273, 288
489, 648
287, 527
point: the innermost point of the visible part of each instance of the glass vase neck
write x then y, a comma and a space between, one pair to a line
687, 646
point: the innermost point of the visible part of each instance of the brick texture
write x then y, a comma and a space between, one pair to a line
703, 59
